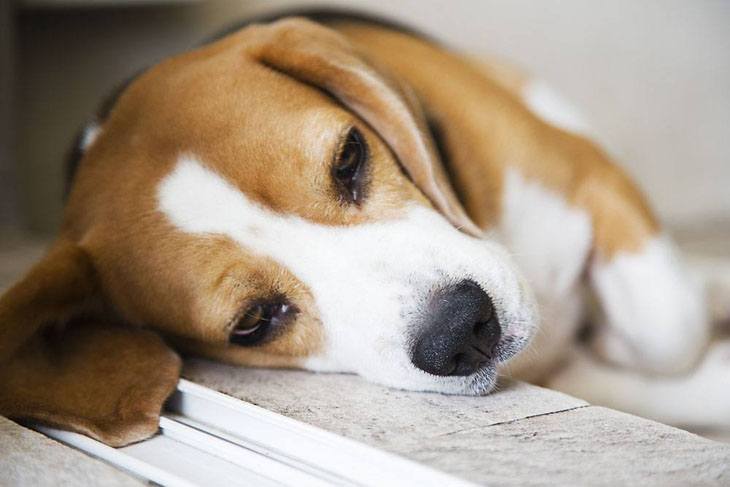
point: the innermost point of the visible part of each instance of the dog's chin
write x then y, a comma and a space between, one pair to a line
483, 381
511, 345
480, 383
396, 370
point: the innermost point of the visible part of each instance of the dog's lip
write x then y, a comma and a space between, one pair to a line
509, 346
479, 383
483, 380
489, 362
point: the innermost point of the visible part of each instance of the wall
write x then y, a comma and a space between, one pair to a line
653, 76
9, 215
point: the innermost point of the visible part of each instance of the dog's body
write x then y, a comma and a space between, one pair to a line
275, 198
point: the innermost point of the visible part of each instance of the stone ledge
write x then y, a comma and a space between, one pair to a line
29, 458
520, 435
585, 446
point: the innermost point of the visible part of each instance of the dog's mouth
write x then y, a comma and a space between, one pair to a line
484, 380
481, 382
512, 344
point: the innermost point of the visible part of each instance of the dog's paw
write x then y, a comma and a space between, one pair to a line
654, 316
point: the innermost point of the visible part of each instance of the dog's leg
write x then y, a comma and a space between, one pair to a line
700, 399
652, 310
652, 315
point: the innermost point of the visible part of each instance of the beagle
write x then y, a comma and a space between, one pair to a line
338, 194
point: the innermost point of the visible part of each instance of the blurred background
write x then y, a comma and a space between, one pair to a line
652, 76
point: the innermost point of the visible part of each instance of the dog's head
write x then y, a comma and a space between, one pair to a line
272, 199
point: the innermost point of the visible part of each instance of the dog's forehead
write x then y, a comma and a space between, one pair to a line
226, 97
251, 124
269, 135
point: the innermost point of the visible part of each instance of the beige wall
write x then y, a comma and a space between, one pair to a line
653, 76
8, 194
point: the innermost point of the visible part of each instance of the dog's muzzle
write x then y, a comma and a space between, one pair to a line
460, 332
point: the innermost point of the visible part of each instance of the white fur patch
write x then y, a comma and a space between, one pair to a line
550, 241
91, 132
655, 316
544, 102
369, 281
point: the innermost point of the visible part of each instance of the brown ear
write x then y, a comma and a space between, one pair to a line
320, 56
61, 367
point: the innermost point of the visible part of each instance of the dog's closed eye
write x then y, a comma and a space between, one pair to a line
350, 167
261, 322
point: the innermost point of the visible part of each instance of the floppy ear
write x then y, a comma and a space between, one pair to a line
320, 56
60, 366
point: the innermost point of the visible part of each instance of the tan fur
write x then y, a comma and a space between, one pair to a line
266, 108
503, 73
488, 129
260, 128
53, 290
276, 145
87, 375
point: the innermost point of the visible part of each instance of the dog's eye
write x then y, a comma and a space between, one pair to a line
260, 321
349, 170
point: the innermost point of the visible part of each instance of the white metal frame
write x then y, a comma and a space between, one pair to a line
208, 437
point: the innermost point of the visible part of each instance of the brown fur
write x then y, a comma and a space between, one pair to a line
489, 129
266, 108
86, 375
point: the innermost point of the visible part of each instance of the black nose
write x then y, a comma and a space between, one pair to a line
461, 331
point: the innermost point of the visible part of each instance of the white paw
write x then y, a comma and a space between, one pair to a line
654, 312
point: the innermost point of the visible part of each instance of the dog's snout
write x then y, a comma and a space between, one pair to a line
460, 332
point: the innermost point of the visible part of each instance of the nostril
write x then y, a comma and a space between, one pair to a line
484, 315
466, 365
487, 335
457, 362
479, 327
